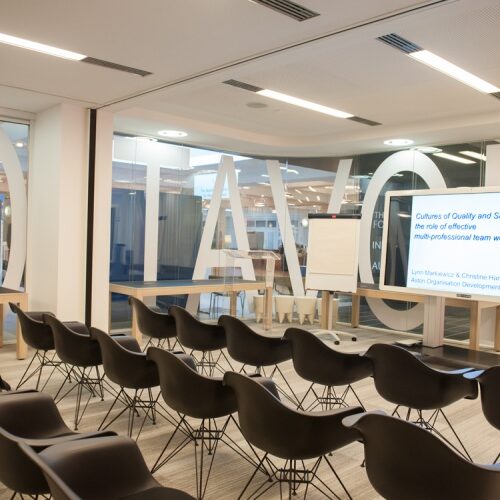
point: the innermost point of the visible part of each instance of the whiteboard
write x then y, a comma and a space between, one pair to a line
332, 253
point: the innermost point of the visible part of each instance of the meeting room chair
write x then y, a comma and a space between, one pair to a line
83, 355
291, 435
401, 378
403, 460
321, 365
252, 349
195, 396
108, 468
197, 336
30, 417
129, 368
157, 326
38, 335
489, 382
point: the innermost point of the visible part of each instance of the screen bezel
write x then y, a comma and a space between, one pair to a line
385, 231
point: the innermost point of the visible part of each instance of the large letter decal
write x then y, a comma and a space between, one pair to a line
423, 166
208, 258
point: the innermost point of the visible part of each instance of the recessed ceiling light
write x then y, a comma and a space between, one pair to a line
428, 149
458, 159
245, 187
450, 69
40, 47
19, 144
398, 142
264, 175
302, 103
172, 133
298, 191
473, 154
318, 197
311, 189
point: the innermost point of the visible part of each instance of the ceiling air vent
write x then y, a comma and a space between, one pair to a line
242, 85
364, 121
118, 67
399, 43
288, 8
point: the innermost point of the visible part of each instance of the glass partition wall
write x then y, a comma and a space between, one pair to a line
14, 142
163, 195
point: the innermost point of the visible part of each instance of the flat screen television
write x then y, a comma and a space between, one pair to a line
442, 242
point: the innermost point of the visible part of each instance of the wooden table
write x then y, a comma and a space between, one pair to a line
142, 289
21, 299
475, 306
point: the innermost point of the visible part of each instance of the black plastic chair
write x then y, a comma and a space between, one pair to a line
109, 468
38, 335
401, 378
291, 435
198, 336
259, 351
319, 364
83, 355
489, 381
405, 461
33, 418
129, 368
199, 397
158, 326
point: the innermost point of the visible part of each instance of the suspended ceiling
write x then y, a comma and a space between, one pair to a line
191, 47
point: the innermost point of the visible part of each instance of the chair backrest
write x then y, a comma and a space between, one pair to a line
31, 415
195, 334
96, 468
405, 461
17, 471
489, 381
126, 368
276, 428
35, 333
249, 347
188, 392
313, 360
403, 379
72, 347
152, 323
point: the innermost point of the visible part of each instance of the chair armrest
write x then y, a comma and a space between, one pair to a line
473, 374
41, 444
459, 371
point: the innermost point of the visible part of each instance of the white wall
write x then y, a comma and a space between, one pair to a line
57, 212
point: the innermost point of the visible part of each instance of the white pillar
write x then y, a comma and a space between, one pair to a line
102, 219
433, 334
57, 212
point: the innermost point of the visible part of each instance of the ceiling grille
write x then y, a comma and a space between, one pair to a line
242, 85
288, 8
399, 43
364, 121
118, 67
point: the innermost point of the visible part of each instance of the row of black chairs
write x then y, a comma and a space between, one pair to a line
402, 459
249, 348
399, 376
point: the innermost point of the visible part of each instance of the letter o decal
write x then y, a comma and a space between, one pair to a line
403, 161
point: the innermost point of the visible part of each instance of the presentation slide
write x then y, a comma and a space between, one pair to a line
455, 243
